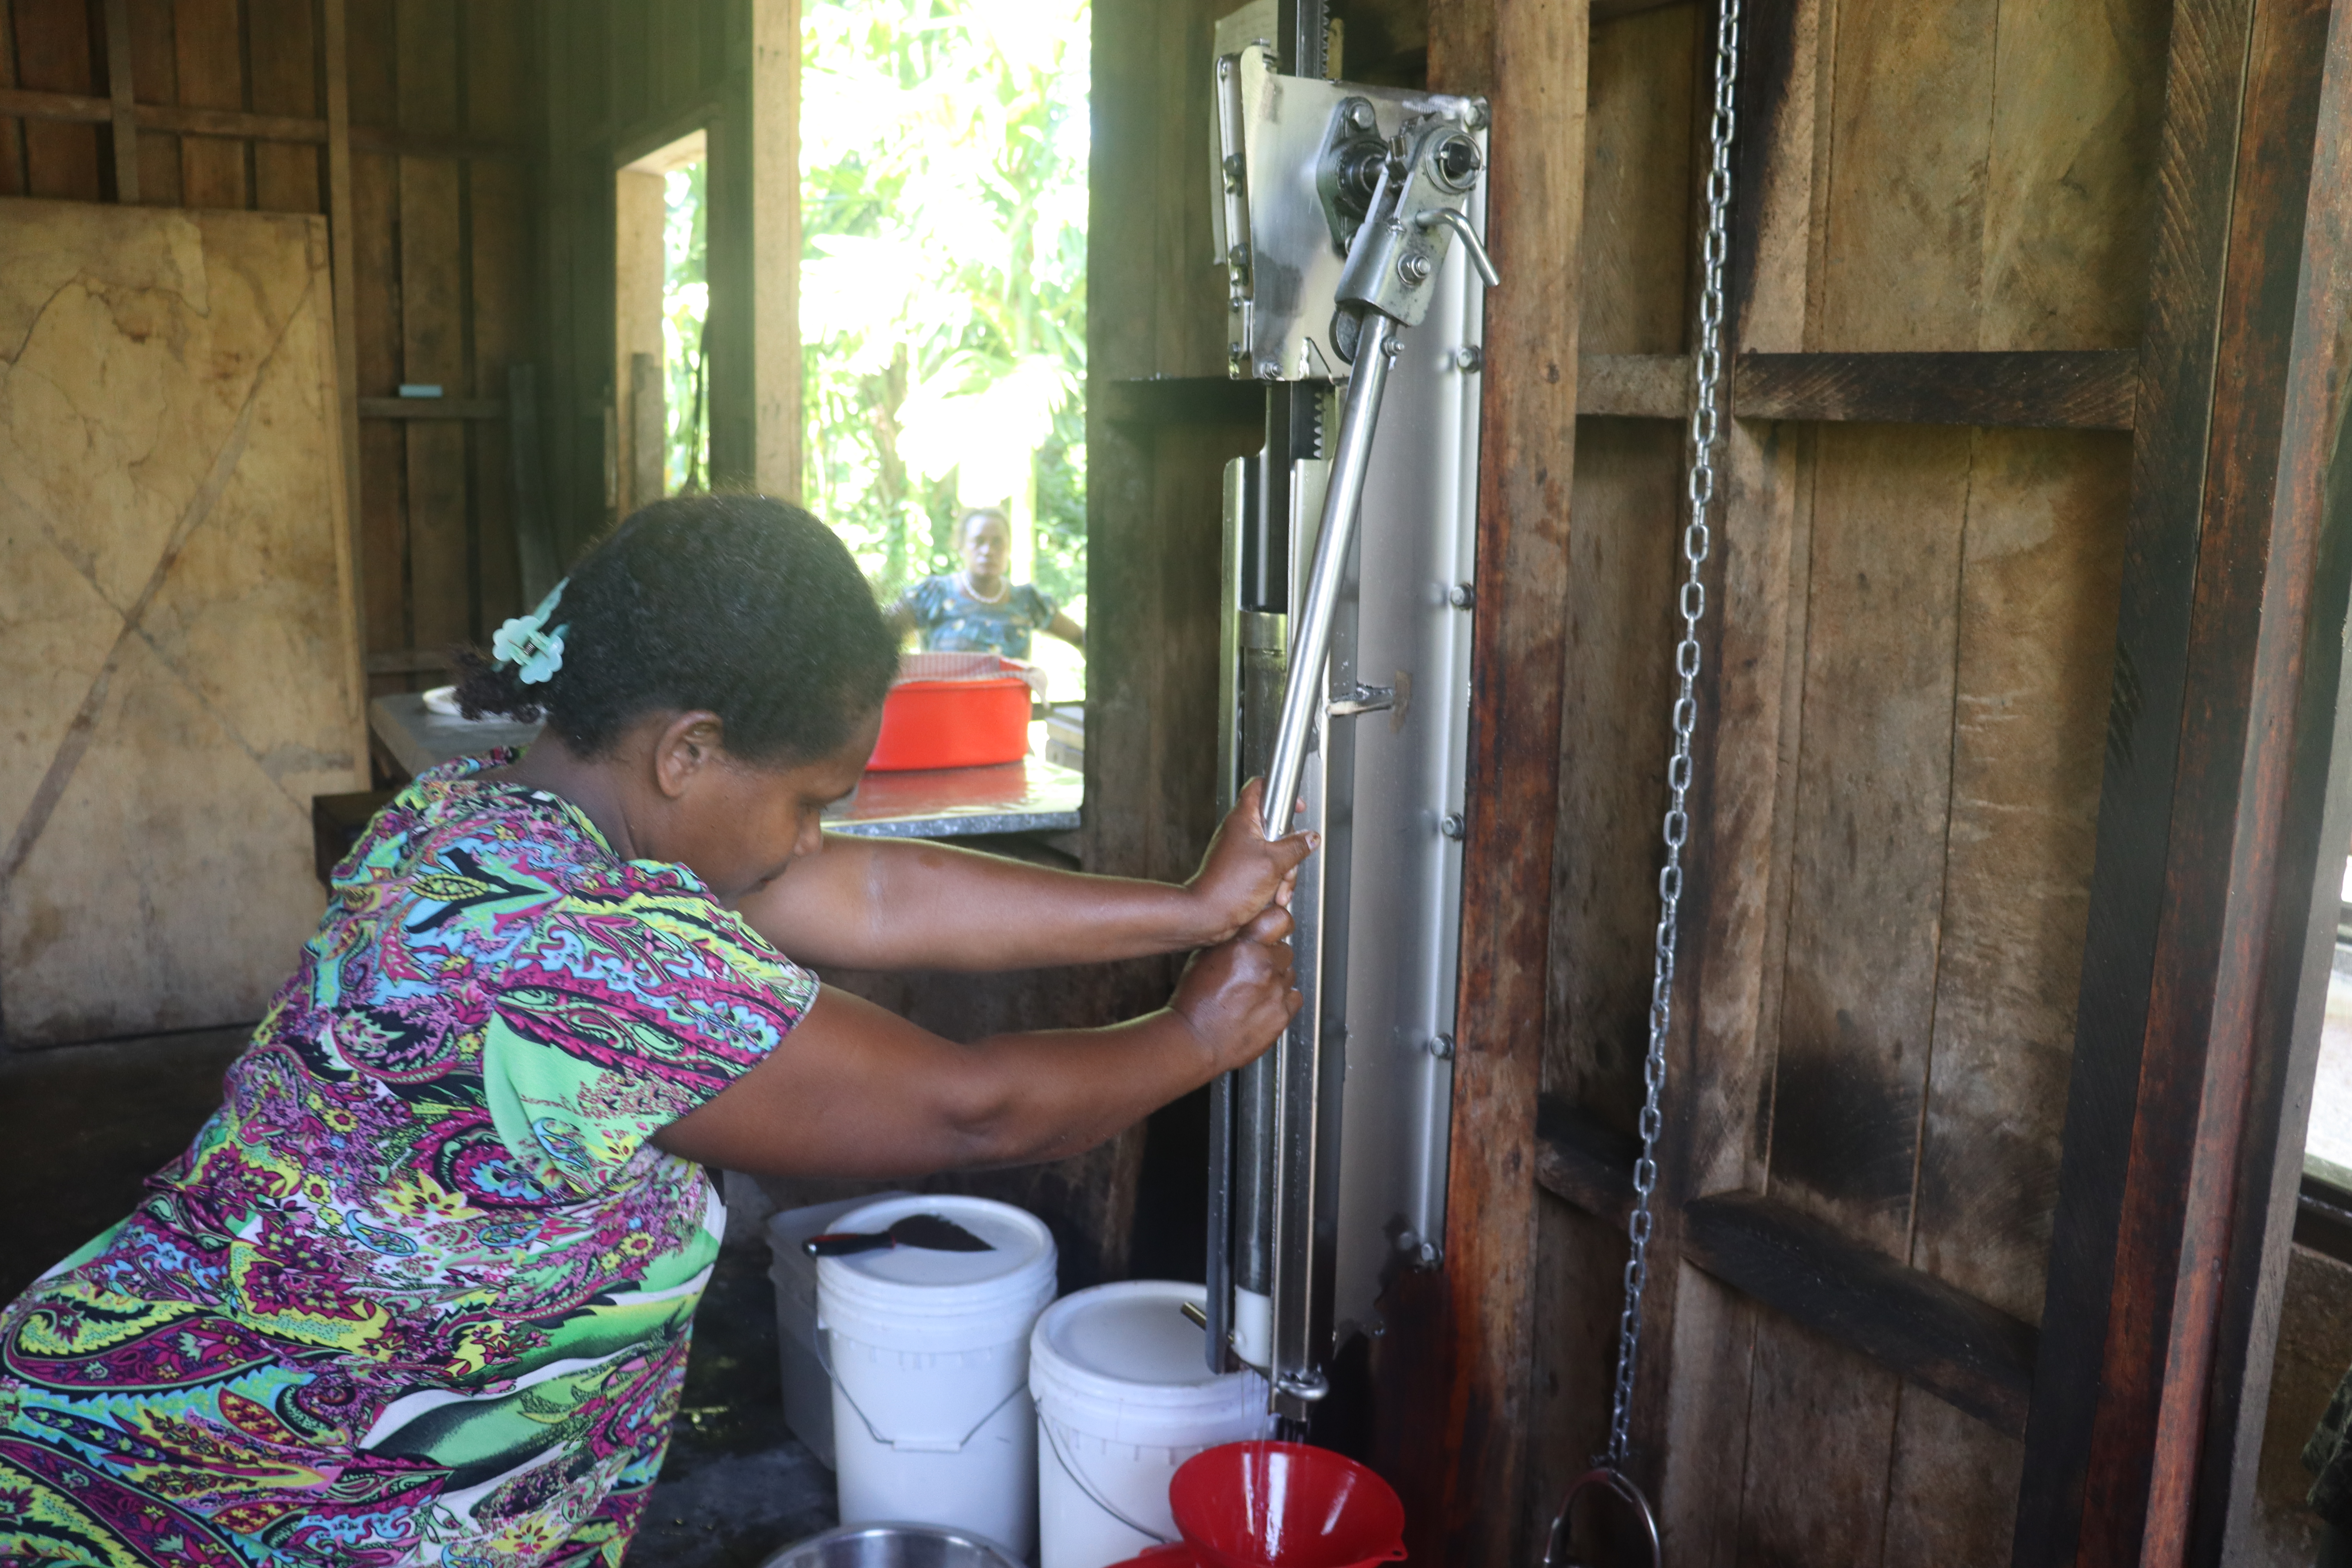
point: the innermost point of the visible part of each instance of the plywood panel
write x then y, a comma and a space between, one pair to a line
173, 496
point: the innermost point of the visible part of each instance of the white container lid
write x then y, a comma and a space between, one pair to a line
914, 1297
1122, 1363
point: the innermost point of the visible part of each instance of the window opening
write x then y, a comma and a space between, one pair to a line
944, 149
2328, 1147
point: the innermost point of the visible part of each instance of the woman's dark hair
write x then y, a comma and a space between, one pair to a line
746, 606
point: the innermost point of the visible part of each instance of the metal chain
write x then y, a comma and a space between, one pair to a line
1705, 434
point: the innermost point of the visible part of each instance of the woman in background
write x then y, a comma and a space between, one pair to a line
978, 609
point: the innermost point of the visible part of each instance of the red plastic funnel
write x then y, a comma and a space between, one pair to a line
1284, 1505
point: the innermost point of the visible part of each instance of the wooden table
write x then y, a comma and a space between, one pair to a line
1032, 795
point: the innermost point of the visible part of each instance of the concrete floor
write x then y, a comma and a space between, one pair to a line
738, 1485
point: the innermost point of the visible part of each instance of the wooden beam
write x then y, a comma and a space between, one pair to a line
2072, 391
1586, 1163
1150, 402
1965, 1352
2314, 495
1940, 1339
334, 51
121, 104
1634, 386
431, 408
774, 188
1454, 1370
2202, 809
180, 120
2088, 391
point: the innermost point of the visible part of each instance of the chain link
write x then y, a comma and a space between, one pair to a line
1705, 432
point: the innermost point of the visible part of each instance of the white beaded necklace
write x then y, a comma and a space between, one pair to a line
976, 596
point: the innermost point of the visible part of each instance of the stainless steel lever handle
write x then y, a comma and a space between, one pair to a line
1430, 217
1342, 503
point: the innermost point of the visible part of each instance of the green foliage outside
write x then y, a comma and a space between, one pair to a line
686, 305
943, 280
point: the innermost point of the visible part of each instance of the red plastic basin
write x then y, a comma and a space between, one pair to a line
1284, 1505
953, 724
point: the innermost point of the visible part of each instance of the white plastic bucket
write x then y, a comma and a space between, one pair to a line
1124, 1396
929, 1357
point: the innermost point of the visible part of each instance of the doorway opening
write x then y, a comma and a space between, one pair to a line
662, 307
943, 184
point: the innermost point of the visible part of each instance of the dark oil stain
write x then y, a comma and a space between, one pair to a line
1840, 1128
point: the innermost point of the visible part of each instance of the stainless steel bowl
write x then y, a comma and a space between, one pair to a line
894, 1546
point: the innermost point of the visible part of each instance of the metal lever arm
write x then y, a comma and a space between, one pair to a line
1342, 503
1452, 217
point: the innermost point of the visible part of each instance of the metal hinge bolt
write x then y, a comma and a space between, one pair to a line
1451, 825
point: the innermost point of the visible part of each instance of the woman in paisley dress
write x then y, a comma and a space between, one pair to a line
420, 1291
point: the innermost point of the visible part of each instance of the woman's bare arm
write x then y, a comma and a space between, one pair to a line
1069, 630
858, 1091
864, 903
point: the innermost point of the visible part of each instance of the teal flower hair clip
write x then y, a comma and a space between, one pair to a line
526, 643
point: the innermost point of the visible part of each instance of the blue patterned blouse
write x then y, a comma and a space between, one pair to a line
952, 621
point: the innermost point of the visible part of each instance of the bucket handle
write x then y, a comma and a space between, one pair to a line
824, 1358
1071, 1469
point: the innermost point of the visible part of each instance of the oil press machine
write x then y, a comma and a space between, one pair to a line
1348, 222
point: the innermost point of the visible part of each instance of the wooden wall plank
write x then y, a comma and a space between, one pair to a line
500, 99
371, 62
2073, 117
54, 55
155, 79
287, 177
1636, 259
122, 134
1901, 215
2314, 482
1695, 1392
1874, 786
1455, 1366
432, 326
2221, 855
382, 451
1903, 229
210, 52
12, 143
431, 304
1190, 326
2230, 182
2069, 195
335, 89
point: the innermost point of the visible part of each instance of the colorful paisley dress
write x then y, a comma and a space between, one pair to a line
420, 1291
